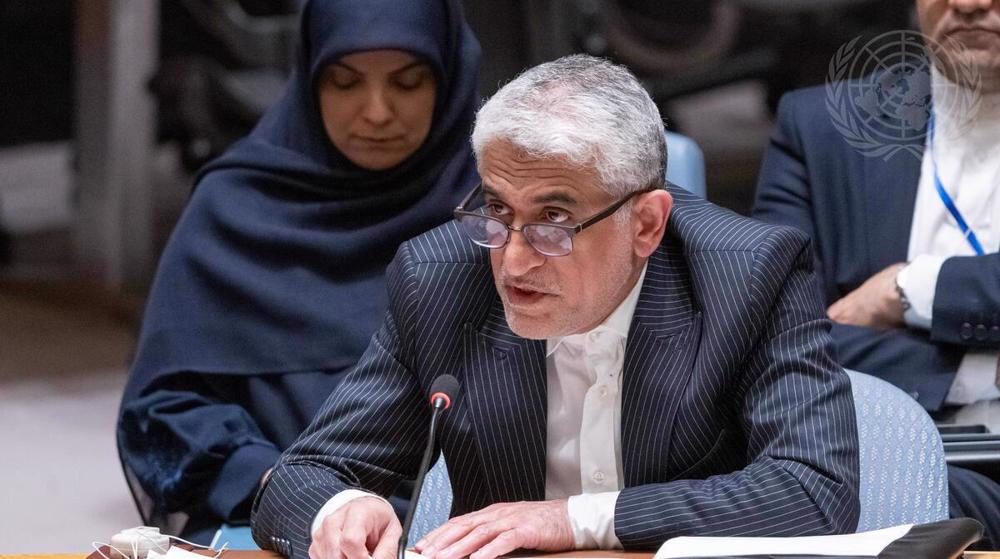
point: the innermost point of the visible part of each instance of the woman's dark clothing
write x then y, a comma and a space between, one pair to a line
273, 280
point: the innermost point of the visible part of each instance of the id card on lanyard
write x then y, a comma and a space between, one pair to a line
967, 231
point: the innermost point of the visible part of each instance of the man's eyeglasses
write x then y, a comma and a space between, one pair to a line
550, 239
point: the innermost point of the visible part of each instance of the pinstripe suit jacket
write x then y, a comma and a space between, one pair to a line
735, 419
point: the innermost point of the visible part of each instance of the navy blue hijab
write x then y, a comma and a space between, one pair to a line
277, 264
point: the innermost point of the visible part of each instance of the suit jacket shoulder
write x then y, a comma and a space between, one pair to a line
704, 227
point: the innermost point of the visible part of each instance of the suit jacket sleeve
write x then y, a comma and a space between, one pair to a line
967, 302
796, 413
369, 434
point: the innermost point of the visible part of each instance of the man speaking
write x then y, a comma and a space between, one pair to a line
636, 363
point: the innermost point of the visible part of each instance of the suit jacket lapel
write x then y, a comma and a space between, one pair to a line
505, 379
659, 356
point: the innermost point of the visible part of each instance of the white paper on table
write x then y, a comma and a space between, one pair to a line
414, 555
863, 544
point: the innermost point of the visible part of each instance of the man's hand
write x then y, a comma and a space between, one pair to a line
876, 304
361, 528
500, 529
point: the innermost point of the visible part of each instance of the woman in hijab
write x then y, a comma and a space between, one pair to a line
273, 281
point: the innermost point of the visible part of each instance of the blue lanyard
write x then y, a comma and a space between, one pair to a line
967, 231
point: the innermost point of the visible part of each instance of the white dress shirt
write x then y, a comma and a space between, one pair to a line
967, 150
583, 461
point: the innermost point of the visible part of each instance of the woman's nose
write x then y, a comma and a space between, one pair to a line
378, 109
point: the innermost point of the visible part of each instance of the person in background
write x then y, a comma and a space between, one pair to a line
274, 278
914, 294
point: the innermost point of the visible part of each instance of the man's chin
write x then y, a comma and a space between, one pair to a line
530, 326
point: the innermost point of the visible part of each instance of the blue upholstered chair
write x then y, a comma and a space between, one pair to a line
904, 479
685, 163
234, 537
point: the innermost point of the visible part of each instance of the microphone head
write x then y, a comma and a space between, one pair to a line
446, 387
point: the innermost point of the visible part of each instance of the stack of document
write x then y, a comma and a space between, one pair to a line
937, 540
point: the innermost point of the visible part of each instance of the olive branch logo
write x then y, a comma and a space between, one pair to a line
879, 94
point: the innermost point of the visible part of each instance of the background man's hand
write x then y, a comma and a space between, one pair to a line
875, 304
362, 527
500, 529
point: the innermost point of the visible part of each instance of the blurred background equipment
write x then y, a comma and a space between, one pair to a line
686, 47
217, 78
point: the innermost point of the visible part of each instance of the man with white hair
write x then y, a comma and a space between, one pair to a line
636, 363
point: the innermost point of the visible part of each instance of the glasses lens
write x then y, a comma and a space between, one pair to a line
484, 231
548, 240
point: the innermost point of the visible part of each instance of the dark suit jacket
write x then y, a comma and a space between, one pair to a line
858, 211
735, 418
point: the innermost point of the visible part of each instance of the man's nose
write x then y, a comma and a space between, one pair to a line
519, 257
378, 108
970, 6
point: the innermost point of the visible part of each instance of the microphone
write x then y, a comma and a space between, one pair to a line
444, 390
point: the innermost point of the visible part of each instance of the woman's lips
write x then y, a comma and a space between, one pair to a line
379, 143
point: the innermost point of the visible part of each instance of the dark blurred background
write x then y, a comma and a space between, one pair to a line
108, 107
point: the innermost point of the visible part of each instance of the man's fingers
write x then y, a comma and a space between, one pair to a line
432, 538
354, 537
445, 535
473, 540
504, 543
388, 544
326, 545
325, 540
840, 312
314, 552
834, 309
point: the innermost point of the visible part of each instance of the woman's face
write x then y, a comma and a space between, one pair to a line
377, 106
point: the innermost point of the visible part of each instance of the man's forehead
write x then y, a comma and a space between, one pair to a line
544, 194
508, 169
503, 152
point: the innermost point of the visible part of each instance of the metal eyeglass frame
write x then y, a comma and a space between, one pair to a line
571, 230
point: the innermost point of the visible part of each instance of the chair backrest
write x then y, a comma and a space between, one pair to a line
685, 163
434, 506
904, 478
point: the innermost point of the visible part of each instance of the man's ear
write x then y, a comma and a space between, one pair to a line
649, 221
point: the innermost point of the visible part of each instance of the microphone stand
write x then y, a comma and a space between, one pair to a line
425, 463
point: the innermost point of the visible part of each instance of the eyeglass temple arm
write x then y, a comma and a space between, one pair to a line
611, 209
468, 197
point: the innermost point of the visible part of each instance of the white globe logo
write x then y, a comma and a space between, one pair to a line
879, 94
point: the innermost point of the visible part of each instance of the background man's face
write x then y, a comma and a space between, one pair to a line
551, 296
973, 24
